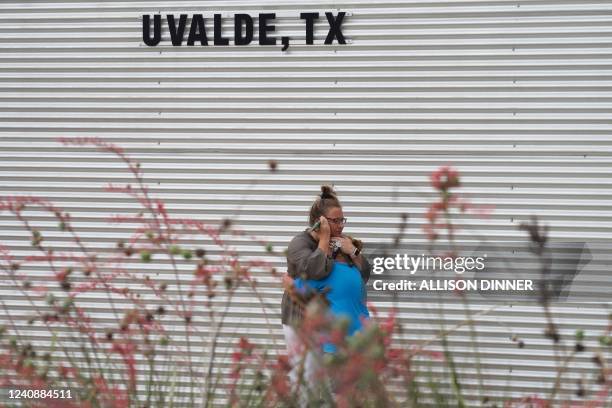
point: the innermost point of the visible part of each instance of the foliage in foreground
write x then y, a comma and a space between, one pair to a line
100, 360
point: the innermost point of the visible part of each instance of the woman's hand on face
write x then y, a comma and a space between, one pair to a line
346, 245
324, 231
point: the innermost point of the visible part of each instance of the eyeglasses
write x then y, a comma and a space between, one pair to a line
337, 221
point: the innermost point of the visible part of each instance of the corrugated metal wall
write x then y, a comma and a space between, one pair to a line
516, 94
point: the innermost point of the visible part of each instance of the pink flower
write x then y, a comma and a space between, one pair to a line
245, 345
237, 356
336, 336
434, 211
280, 385
127, 353
283, 363
431, 234
66, 371
445, 178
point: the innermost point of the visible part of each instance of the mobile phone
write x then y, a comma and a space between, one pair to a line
315, 226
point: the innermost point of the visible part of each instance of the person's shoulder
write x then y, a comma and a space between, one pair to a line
302, 239
302, 236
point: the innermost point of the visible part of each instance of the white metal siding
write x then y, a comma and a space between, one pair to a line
516, 94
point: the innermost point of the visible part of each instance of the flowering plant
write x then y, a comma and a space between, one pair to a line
162, 342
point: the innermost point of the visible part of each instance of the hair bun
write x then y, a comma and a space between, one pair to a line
327, 192
324, 201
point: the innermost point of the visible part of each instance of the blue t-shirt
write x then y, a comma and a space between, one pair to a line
346, 296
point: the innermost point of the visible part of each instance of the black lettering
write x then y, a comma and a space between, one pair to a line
285, 42
197, 32
310, 18
177, 33
334, 28
239, 19
146, 29
219, 39
264, 28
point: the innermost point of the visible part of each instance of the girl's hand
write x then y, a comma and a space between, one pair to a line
346, 245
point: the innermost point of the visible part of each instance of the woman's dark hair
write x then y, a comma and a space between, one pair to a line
326, 200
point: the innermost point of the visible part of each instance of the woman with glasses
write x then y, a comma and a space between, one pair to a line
323, 260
